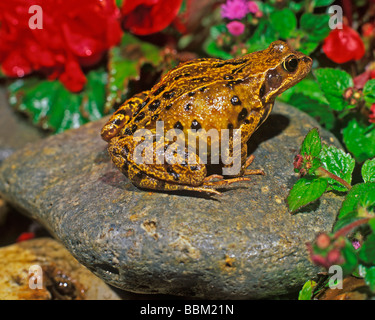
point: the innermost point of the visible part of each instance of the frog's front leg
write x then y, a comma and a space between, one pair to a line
246, 161
122, 115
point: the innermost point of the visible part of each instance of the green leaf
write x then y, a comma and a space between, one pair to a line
307, 88
367, 250
371, 223
125, 62
322, 3
119, 3
321, 112
284, 22
53, 107
360, 140
307, 290
369, 91
350, 256
339, 163
95, 95
296, 6
266, 7
368, 273
312, 144
315, 26
263, 35
305, 191
213, 50
360, 195
368, 171
333, 83
348, 219
308, 46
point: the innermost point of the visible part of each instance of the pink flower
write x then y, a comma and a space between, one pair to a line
356, 244
236, 28
252, 7
234, 9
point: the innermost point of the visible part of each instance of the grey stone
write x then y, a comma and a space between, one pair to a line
15, 129
243, 244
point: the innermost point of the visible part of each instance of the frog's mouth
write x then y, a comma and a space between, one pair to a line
267, 110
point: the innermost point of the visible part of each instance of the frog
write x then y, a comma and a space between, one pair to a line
202, 94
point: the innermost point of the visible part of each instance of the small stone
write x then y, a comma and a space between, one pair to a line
42, 269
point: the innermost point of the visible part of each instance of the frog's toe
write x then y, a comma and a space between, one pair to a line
224, 182
249, 172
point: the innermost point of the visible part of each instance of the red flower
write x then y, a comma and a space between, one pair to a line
25, 236
144, 17
343, 45
73, 34
368, 29
371, 116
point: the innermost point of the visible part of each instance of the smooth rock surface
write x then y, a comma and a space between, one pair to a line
61, 277
15, 129
243, 244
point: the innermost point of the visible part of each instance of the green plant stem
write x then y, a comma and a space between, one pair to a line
324, 173
309, 6
344, 231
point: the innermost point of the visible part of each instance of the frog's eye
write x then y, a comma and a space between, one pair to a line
290, 64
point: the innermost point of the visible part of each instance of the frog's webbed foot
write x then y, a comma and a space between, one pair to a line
221, 182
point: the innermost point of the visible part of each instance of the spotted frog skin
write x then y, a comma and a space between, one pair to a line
203, 94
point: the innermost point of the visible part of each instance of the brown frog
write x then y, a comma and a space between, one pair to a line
197, 96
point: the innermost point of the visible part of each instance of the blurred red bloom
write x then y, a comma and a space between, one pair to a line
24, 236
343, 45
371, 117
73, 34
368, 29
143, 17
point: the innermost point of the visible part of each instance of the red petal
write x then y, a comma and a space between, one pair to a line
147, 19
72, 32
361, 79
343, 45
15, 65
25, 236
73, 78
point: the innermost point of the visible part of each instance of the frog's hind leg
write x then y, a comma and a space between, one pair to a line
142, 180
122, 116
150, 175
